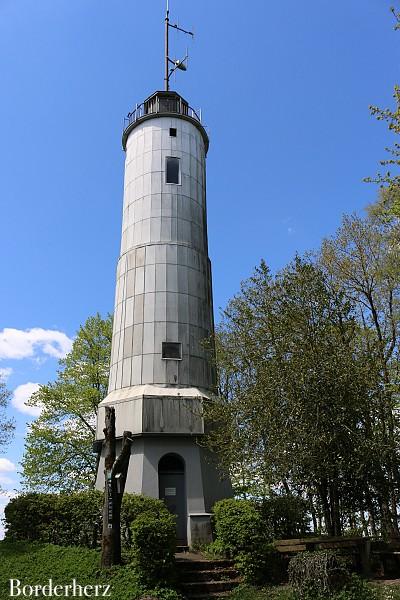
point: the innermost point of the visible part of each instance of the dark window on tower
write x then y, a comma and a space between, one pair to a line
172, 131
172, 350
172, 174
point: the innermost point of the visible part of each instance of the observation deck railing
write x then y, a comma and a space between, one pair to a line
159, 104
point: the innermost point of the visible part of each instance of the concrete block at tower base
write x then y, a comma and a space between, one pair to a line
199, 529
154, 410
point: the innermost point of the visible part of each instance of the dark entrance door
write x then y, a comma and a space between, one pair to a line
171, 483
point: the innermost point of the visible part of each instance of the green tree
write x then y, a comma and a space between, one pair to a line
293, 390
388, 204
58, 449
363, 259
7, 425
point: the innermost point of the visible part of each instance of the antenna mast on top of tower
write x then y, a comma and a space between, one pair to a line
177, 64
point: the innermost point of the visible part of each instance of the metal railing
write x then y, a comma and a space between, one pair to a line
159, 105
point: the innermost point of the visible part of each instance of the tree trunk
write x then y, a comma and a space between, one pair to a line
313, 512
335, 508
115, 471
322, 488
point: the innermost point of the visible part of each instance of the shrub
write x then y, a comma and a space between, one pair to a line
238, 526
318, 574
63, 519
358, 589
262, 565
153, 547
285, 516
134, 505
71, 519
242, 535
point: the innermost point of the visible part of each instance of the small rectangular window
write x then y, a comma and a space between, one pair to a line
172, 170
172, 131
172, 350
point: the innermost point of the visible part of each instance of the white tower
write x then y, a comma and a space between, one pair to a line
160, 368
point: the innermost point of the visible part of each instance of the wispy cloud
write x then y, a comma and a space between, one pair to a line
21, 395
5, 373
5, 480
18, 343
6, 466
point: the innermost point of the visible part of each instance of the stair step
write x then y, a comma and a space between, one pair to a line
209, 575
210, 596
206, 587
203, 565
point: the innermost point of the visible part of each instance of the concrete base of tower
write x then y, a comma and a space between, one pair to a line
150, 409
183, 474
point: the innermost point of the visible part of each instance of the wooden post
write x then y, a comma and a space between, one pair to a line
115, 471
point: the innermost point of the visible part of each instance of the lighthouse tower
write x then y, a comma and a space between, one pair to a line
160, 372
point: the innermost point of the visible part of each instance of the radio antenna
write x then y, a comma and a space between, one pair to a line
176, 64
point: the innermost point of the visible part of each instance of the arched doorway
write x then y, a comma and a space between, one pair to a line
172, 489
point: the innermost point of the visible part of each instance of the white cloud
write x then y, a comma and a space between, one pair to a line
4, 480
18, 343
21, 395
290, 230
6, 466
5, 373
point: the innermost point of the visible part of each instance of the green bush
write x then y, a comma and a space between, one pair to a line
134, 505
238, 526
71, 519
242, 535
153, 547
318, 574
262, 565
285, 516
62, 519
358, 589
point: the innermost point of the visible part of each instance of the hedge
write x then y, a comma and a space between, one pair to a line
71, 519
62, 519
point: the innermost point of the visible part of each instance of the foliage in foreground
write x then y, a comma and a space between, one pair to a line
357, 589
61, 519
147, 527
58, 449
320, 573
72, 519
35, 563
243, 532
153, 548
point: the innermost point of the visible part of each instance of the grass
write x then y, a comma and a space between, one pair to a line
36, 563
245, 592
370, 592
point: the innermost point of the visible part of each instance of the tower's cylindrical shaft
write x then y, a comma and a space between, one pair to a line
163, 309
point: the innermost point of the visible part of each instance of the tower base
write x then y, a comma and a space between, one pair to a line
180, 472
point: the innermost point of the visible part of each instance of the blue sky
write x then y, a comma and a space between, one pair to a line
284, 88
